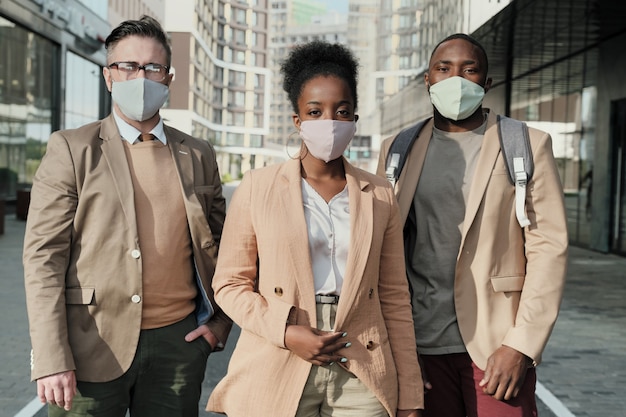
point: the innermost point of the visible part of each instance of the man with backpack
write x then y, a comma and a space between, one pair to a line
486, 268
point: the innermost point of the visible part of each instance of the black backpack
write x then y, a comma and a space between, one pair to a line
514, 145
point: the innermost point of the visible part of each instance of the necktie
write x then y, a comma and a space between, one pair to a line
146, 137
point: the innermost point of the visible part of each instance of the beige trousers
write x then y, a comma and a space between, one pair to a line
333, 391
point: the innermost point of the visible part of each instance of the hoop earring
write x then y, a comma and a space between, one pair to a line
303, 149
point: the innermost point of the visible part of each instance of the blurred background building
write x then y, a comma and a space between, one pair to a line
292, 23
221, 87
555, 64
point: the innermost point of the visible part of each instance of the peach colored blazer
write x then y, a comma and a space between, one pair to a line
265, 236
82, 260
509, 281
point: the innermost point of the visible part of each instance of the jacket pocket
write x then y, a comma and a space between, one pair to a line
82, 296
507, 283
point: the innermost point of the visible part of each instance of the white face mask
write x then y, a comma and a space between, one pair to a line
327, 139
139, 99
456, 98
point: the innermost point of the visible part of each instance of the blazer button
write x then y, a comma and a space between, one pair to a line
370, 345
278, 291
135, 299
135, 253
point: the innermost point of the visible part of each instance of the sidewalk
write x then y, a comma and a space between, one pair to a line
583, 366
15, 386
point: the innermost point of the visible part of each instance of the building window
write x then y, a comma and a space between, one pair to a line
28, 71
234, 139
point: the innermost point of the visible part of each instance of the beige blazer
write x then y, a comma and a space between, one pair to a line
82, 259
265, 235
509, 281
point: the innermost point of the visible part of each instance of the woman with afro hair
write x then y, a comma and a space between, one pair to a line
311, 267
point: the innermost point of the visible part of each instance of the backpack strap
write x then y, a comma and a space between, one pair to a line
399, 150
518, 158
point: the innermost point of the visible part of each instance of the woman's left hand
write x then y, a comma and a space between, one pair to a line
313, 345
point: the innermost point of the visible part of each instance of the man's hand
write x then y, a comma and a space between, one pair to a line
505, 373
427, 385
315, 346
204, 331
58, 389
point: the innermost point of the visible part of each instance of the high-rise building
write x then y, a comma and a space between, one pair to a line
293, 22
220, 91
363, 20
397, 46
120, 10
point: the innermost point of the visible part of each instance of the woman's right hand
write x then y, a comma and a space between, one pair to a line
316, 346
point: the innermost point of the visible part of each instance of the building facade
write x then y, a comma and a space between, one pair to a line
397, 46
293, 22
120, 10
51, 58
363, 19
220, 90
557, 66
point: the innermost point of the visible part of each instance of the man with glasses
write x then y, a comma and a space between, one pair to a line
125, 219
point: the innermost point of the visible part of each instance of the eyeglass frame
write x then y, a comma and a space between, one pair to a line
140, 67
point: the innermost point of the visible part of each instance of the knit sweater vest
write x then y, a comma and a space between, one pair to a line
164, 240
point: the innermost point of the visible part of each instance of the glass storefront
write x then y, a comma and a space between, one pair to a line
83, 90
27, 103
544, 63
50, 79
561, 101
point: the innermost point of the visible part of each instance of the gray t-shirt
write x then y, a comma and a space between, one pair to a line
439, 209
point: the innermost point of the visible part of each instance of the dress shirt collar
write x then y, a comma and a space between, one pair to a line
130, 133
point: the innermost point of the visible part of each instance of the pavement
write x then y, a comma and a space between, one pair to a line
582, 374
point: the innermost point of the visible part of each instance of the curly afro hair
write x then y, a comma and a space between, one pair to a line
309, 60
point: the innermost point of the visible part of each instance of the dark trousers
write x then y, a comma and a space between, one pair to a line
164, 379
456, 392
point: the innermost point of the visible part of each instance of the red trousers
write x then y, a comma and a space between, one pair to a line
456, 393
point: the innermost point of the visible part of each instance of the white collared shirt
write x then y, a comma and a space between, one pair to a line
328, 226
130, 133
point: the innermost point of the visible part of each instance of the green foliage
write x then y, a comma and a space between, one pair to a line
35, 149
226, 178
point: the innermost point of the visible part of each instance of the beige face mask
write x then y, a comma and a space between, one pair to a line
456, 98
327, 139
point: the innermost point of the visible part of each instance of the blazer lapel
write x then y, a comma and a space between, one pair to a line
490, 149
183, 161
115, 156
409, 177
289, 185
361, 207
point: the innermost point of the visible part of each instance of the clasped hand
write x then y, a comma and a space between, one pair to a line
316, 346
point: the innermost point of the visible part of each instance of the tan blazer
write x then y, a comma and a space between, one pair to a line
266, 227
509, 281
82, 259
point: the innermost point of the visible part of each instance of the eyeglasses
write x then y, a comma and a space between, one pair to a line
129, 70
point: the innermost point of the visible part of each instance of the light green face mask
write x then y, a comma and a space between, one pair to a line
456, 98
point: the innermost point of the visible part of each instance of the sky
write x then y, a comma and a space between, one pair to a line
340, 6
